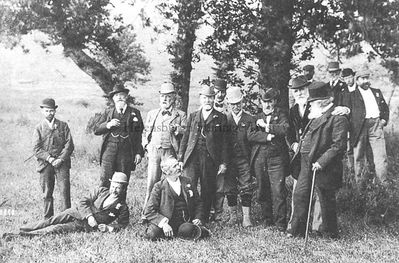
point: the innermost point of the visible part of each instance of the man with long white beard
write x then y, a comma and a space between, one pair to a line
321, 150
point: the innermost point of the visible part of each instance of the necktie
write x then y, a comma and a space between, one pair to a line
166, 112
219, 105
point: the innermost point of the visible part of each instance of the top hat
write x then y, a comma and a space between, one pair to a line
333, 66
299, 82
118, 88
220, 84
189, 231
233, 95
363, 72
347, 72
308, 68
167, 88
207, 91
319, 91
48, 103
119, 177
269, 94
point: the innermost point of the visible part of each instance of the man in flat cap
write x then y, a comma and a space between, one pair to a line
308, 72
321, 149
164, 129
220, 87
104, 210
203, 149
174, 206
121, 127
238, 179
367, 128
53, 146
269, 159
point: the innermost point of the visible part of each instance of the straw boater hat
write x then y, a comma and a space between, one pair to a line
207, 91
363, 72
48, 103
233, 95
119, 177
167, 88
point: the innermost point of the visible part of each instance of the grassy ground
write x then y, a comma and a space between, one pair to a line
26, 79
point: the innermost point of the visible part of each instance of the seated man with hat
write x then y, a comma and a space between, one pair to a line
104, 210
174, 207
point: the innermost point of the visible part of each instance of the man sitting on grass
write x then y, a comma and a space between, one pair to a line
104, 210
174, 207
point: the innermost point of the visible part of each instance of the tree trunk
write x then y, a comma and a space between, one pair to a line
275, 53
91, 67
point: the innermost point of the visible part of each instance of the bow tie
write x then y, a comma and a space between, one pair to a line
166, 112
219, 105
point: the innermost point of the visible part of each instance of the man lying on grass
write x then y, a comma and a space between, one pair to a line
174, 208
104, 210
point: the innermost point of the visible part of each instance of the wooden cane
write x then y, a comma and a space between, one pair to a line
310, 208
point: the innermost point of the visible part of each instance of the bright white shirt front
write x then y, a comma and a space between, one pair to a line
237, 117
370, 103
176, 185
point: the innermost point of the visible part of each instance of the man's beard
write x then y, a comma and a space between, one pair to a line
365, 85
315, 112
301, 100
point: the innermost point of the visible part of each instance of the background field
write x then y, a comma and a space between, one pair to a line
26, 78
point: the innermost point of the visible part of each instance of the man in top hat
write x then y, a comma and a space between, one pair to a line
308, 72
348, 76
321, 149
220, 86
203, 149
367, 128
104, 210
53, 146
238, 179
269, 159
121, 127
164, 129
174, 207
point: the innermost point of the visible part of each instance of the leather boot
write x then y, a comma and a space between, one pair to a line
246, 216
218, 205
233, 216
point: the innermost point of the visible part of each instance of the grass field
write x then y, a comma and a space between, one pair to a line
27, 79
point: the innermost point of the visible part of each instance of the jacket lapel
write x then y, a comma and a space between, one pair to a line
211, 116
323, 119
175, 114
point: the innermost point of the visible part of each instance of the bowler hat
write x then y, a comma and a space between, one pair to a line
319, 91
269, 94
207, 91
119, 177
118, 88
363, 72
48, 103
347, 72
299, 82
167, 88
220, 84
333, 66
308, 68
233, 95
189, 231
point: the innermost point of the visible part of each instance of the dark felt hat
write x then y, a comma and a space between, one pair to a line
347, 72
220, 84
319, 91
308, 67
48, 103
269, 94
189, 231
118, 88
333, 66
299, 82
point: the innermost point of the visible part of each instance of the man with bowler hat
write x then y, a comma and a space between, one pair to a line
269, 159
238, 179
203, 149
321, 149
348, 76
53, 146
121, 127
164, 129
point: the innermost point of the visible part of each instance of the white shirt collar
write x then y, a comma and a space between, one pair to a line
123, 109
237, 117
176, 185
352, 88
50, 124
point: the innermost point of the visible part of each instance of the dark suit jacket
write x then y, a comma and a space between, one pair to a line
241, 140
56, 143
93, 205
215, 130
278, 126
161, 202
358, 112
329, 138
135, 127
340, 92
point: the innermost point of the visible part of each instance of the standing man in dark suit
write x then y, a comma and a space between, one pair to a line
269, 159
203, 149
98, 211
338, 88
322, 147
367, 128
121, 127
173, 203
308, 72
53, 146
238, 178
220, 86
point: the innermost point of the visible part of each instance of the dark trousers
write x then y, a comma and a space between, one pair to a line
61, 223
270, 172
48, 176
202, 166
301, 197
117, 157
154, 232
238, 181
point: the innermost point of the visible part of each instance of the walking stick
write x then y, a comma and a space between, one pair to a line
310, 207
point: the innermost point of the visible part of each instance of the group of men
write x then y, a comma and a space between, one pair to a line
230, 152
